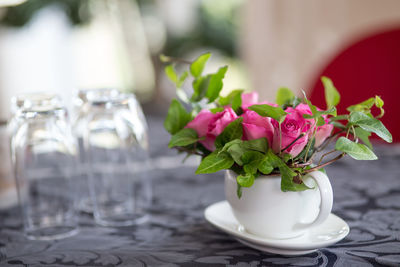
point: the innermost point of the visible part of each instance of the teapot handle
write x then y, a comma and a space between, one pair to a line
326, 193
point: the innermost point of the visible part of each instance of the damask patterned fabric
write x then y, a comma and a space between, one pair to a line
367, 196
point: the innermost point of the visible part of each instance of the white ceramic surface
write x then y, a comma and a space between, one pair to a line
328, 233
266, 211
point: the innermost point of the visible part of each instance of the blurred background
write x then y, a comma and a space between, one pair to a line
60, 46
63, 45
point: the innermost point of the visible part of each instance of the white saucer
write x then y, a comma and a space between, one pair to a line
328, 233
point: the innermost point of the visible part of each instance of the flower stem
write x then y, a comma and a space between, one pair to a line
325, 164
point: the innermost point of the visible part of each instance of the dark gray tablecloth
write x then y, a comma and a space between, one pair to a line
367, 196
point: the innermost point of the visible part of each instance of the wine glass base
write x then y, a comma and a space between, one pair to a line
52, 233
119, 221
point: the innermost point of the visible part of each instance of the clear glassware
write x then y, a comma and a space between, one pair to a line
45, 164
116, 149
81, 109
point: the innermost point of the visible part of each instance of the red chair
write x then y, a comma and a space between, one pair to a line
366, 68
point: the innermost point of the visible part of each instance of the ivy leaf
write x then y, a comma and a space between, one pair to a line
196, 68
236, 151
215, 84
177, 117
182, 79
318, 113
276, 113
217, 109
284, 96
246, 180
355, 150
214, 162
200, 86
364, 106
364, 136
332, 96
171, 73
260, 144
265, 166
234, 99
378, 102
287, 174
371, 125
251, 161
233, 131
184, 137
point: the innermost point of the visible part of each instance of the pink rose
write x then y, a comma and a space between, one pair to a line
250, 99
292, 127
323, 132
256, 126
211, 125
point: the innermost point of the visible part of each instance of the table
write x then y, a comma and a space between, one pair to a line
366, 195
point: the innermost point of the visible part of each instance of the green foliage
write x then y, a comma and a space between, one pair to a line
332, 96
215, 84
354, 150
284, 96
364, 136
231, 132
260, 145
370, 124
234, 99
184, 137
200, 86
214, 162
287, 174
276, 113
245, 180
177, 117
197, 66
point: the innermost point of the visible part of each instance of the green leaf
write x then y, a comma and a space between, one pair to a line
177, 117
371, 125
234, 99
265, 166
171, 73
184, 137
284, 96
196, 68
318, 113
364, 106
332, 96
215, 162
260, 145
239, 190
364, 136
215, 84
276, 113
182, 79
287, 174
236, 151
246, 180
339, 118
229, 144
355, 150
164, 58
216, 110
200, 86
233, 131
251, 161
378, 102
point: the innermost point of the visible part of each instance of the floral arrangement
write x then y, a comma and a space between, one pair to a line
253, 138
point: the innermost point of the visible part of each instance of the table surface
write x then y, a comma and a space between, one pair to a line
366, 196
